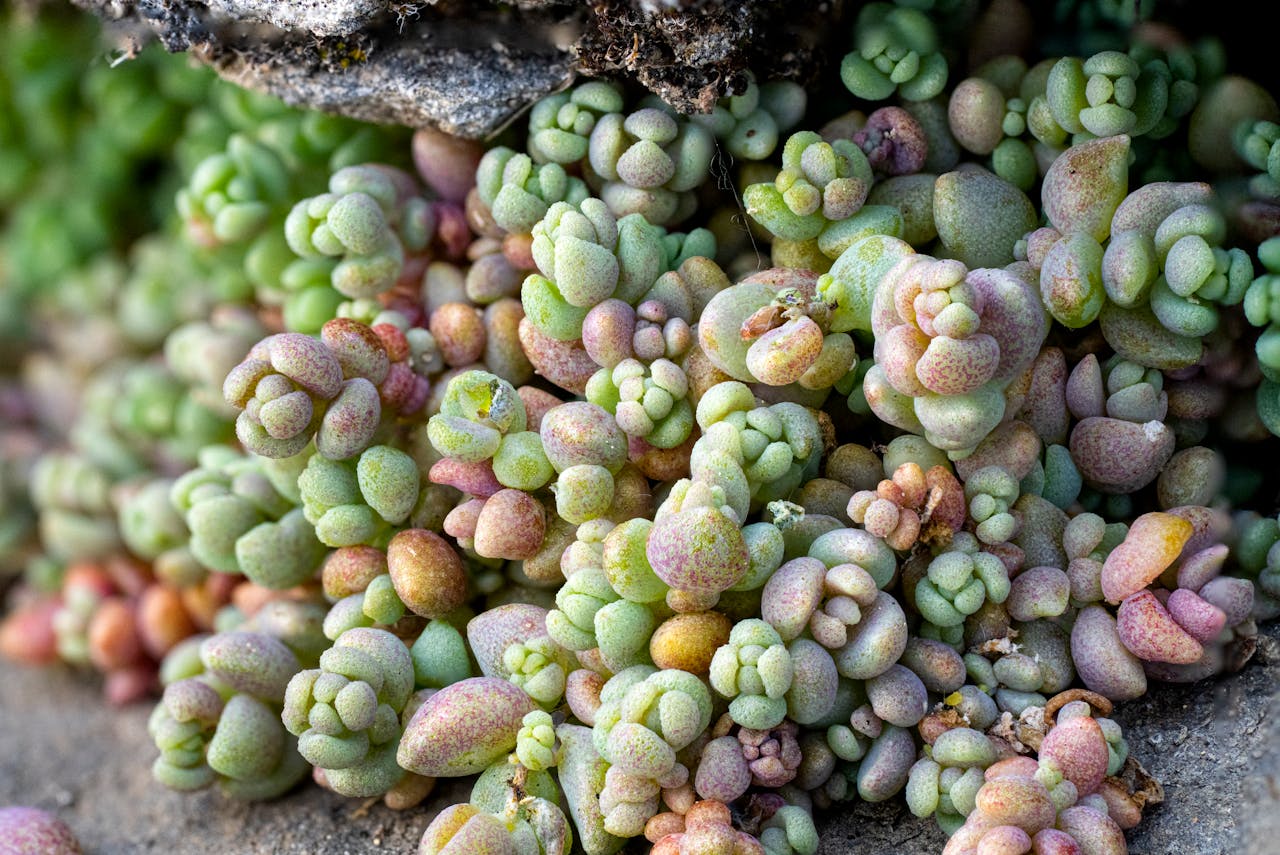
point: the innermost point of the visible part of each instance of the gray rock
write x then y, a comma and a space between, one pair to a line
470, 66
465, 67
430, 79
322, 17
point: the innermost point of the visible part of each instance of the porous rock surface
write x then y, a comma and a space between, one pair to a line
322, 17
470, 66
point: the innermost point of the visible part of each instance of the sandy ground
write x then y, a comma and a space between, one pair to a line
1214, 745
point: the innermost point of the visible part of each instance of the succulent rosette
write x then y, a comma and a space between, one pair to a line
944, 783
752, 454
346, 713
293, 388
591, 616
518, 192
755, 671
775, 328
958, 581
354, 502
948, 342
233, 195
1121, 404
1038, 665
587, 255
560, 125
896, 50
242, 517
368, 221
649, 162
1107, 94
751, 122
71, 494
478, 410
911, 506
506, 815
820, 183
513, 642
224, 726
648, 402
1188, 273
645, 717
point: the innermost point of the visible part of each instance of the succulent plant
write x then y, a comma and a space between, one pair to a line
755, 670
560, 125
346, 713
224, 726
587, 255
518, 192
233, 194
670, 491
896, 50
650, 162
368, 222
945, 379
751, 122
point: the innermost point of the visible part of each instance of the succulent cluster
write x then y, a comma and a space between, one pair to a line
679, 476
